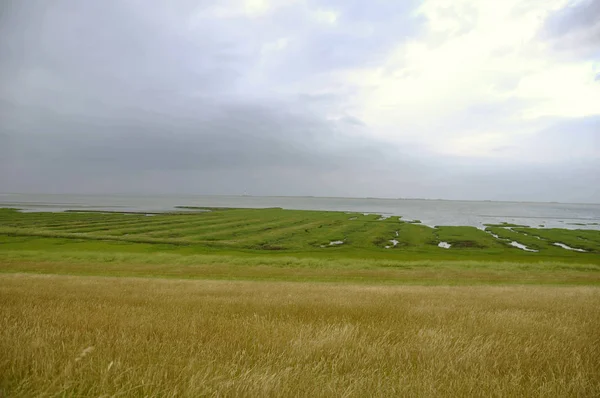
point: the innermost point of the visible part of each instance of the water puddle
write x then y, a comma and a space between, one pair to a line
382, 217
444, 245
513, 243
522, 247
569, 247
334, 243
352, 218
394, 243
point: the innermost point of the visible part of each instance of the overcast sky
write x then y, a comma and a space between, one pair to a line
454, 99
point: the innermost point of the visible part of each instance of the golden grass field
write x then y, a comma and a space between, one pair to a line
102, 336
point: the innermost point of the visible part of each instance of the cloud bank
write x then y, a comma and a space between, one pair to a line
435, 98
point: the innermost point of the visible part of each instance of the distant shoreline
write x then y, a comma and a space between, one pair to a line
170, 195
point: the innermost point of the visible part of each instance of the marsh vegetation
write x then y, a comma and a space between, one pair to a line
299, 232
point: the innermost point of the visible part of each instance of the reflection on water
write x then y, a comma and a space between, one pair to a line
522, 246
569, 247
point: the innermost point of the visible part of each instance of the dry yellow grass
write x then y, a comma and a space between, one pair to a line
94, 336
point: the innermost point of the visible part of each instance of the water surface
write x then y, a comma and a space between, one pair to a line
429, 212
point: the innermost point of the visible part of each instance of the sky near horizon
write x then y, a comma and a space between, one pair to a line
452, 99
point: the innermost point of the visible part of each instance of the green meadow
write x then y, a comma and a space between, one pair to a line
277, 244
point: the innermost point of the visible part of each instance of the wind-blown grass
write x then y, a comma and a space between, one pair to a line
74, 336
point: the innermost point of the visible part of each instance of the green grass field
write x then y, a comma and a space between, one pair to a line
259, 302
297, 233
276, 244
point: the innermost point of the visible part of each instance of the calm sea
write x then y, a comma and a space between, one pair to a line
430, 212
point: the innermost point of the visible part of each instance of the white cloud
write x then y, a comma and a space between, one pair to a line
473, 52
324, 16
568, 90
484, 144
256, 7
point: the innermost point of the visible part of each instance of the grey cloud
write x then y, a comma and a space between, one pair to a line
236, 137
362, 36
109, 52
575, 30
577, 140
581, 15
353, 121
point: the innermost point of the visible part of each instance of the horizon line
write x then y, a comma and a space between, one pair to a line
303, 196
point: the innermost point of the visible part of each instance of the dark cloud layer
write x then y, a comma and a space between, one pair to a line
170, 97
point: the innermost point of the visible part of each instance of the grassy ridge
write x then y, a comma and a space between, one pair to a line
581, 239
303, 233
